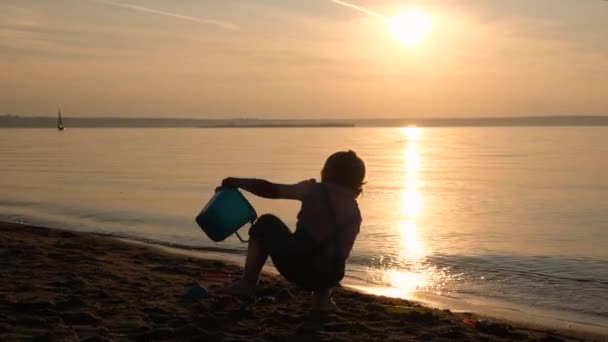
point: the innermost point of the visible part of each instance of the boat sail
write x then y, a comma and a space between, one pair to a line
59, 122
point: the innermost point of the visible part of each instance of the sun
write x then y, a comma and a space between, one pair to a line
411, 27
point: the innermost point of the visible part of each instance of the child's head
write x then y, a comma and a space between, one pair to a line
345, 168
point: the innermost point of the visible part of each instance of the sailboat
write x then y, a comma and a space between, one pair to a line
59, 122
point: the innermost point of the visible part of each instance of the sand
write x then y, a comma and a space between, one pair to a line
66, 286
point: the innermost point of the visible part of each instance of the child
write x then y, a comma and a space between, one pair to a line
313, 257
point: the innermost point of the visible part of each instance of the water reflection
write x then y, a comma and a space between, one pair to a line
411, 199
406, 281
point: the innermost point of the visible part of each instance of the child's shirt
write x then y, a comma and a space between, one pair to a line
315, 216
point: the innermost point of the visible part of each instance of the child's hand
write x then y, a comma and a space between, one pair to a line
230, 182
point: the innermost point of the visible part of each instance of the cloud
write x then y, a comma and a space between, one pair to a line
212, 22
361, 9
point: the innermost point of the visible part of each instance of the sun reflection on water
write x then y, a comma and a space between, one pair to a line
408, 270
411, 274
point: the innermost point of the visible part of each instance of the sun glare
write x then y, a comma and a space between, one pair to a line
411, 27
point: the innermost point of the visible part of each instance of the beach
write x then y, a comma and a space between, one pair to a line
459, 218
68, 286
465, 142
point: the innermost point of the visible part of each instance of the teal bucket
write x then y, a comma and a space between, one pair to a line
227, 211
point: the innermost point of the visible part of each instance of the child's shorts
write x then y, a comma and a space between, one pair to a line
290, 254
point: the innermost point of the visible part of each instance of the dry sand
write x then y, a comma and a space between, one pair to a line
64, 286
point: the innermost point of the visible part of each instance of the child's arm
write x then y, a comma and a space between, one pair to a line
266, 189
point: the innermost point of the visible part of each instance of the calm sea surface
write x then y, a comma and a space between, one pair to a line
506, 218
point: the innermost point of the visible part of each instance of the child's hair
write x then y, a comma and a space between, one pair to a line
344, 168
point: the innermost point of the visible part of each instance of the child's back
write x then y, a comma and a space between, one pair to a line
316, 218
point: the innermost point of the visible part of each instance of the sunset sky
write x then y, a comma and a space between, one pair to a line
303, 59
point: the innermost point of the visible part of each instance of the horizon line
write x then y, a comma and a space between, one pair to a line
540, 116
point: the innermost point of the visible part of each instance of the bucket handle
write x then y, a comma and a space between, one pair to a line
240, 238
239, 235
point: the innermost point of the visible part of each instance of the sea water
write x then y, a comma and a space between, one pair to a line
511, 219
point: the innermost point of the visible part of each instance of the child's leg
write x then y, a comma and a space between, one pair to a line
255, 260
257, 254
268, 232
321, 300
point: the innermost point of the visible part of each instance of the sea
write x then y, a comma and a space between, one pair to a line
509, 222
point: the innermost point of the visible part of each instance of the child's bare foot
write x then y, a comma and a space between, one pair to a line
322, 301
240, 289
325, 307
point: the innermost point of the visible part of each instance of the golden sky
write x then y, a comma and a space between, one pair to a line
302, 59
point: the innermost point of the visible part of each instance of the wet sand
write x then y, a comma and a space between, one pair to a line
68, 286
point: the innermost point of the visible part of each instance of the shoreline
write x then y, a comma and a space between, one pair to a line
494, 310
72, 285
483, 306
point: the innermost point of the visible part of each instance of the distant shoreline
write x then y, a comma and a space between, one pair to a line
281, 126
11, 121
